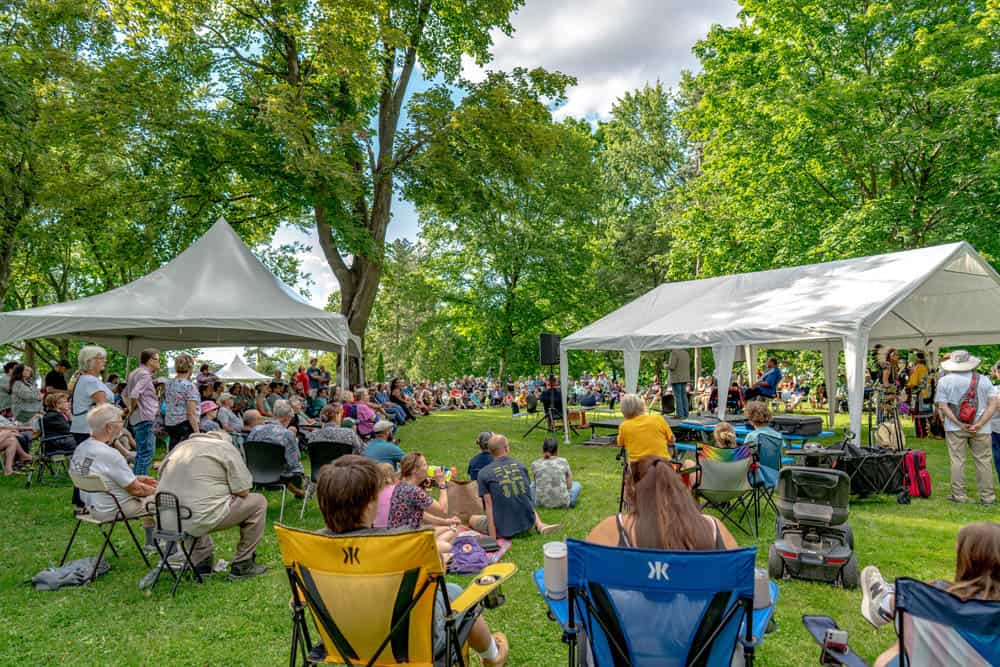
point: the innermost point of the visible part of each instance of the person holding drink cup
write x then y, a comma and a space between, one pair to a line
411, 506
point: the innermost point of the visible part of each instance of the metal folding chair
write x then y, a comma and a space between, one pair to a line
95, 484
320, 454
266, 461
170, 514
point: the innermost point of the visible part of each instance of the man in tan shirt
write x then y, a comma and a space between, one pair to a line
208, 475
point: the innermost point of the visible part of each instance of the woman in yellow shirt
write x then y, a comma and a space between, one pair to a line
641, 434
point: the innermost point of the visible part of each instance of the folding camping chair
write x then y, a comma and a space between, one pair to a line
321, 453
643, 607
95, 484
54, 453
372, 599
934, 628
723, 482
764, 474
169, 535
266, 461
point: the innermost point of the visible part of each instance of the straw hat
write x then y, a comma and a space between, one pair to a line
959, 361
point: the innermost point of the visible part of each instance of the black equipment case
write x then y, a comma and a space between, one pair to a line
804, 425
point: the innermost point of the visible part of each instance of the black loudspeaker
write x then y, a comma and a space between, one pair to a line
548, 349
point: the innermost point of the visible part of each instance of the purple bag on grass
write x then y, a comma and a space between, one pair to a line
467, 557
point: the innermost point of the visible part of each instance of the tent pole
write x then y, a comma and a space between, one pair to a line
855, 356
697, 366
831, 365
343, 367
724, 355
563, 378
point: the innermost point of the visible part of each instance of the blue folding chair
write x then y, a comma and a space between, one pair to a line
645, 607
934, 626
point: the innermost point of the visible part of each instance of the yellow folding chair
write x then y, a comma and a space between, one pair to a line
371, 598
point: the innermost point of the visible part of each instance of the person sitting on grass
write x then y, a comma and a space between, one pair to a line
333, 430
208, 476
554, 485
382, 447
276, 431
410, 506
664, 514
724, 435
505, 488
977, 577
483, 458
641, 434
96, 456
347, 492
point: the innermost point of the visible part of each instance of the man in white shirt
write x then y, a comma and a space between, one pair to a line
208, 476
96, 456
995, 422
974, 434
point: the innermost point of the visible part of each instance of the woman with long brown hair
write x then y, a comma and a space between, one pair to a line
664, 514
977, 577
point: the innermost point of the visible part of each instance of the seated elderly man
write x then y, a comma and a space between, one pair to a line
208, 476
227, 417
97, 456
332, 430
276, 431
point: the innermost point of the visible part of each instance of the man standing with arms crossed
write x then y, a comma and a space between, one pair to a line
142, 405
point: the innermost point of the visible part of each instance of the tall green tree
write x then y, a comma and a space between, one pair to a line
507, 201
313, 96
842, 128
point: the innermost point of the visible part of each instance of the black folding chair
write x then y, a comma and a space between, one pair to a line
95, 484
170, 514
54, 452
320, 454
266, 461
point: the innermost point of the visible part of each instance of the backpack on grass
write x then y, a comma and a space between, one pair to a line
918, 479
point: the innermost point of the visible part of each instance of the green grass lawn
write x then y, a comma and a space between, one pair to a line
248, 623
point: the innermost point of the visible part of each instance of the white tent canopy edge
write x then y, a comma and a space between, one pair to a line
926, 298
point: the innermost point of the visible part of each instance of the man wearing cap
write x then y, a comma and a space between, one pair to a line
381, 447
55, 380
975, 434
142, 406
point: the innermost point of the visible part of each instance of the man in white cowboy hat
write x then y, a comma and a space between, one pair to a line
973, 433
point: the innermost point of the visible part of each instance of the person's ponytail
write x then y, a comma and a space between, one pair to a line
666, 515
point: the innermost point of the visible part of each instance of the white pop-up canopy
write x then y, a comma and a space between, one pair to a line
237, 369
926, 298
215, 293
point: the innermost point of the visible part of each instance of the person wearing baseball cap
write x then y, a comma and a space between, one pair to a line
382, 447
55, 379
962, 387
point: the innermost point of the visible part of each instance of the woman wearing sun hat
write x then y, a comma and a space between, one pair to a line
973, 432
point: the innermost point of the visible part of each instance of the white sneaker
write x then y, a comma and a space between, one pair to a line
873, 590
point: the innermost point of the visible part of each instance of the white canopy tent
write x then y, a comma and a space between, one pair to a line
926, 298
237, 369
215, 293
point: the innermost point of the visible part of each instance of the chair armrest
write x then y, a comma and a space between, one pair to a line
487, 581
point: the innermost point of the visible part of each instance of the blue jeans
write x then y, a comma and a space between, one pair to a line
145, 446
680, 398
996, 452
395, 412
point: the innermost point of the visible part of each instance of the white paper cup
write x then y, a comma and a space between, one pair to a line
555, 569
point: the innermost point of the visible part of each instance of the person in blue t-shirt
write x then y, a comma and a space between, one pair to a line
382, 446
483, 458
767, 385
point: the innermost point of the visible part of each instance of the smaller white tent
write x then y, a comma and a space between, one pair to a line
216, 293
926, 298
237, 369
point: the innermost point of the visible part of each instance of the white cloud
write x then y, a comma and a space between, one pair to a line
610, 46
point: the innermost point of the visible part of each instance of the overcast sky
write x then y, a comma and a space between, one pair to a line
610, 46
